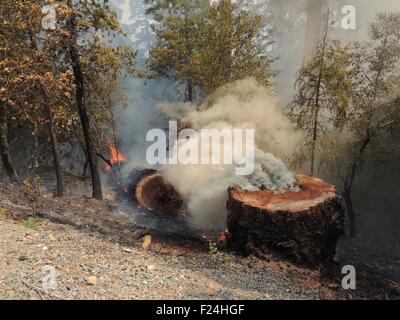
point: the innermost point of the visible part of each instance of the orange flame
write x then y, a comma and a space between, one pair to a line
116, 156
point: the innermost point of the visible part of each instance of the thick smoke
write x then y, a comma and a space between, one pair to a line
242, 105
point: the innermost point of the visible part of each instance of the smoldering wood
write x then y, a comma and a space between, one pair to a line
153, 193
302, 226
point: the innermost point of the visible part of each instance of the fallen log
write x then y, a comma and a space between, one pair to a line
153, 193
303, 226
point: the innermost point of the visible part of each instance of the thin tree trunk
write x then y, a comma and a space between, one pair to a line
55, 149
190, 91
80, 93
348, 186
314, 138
317, 96
350, 213
4, 147
84, 170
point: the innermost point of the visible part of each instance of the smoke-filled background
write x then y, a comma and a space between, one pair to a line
296, 26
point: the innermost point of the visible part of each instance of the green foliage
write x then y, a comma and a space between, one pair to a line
374, 114
176, 54
32, 223
100, 232
322, 101
357, 115
335, 87
235, 47
360, 99
216, 254
206, 46
213, 249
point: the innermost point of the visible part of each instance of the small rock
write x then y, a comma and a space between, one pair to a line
127, 249
146, 242
23, 258
91, 280
150, 267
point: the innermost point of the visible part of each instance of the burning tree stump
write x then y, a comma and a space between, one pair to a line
153, 193
303, 226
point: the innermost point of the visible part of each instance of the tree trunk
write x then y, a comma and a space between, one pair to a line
315, 134
4, 147
302, 226
189, 91
56, 150
80, 93
350, 213
348, 186
318, 95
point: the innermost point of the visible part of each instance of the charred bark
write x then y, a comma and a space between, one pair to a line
80, 94
4, 147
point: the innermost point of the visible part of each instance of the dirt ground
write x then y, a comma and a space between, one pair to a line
97, 252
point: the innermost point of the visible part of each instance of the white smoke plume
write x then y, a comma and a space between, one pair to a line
243, 104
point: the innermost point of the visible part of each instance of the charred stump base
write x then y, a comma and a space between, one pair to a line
302, 226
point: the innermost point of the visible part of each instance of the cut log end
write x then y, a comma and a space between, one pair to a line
303, 226
153, 193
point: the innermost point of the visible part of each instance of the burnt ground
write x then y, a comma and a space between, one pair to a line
96, 248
